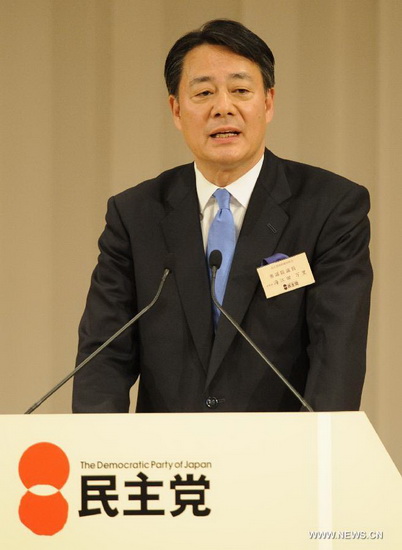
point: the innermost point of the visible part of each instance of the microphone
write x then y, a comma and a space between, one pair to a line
215, 261
169, 264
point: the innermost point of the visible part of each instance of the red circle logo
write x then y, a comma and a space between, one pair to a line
44, 464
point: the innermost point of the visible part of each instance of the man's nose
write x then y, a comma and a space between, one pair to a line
223, 105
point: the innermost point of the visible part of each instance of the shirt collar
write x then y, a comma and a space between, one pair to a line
241, 189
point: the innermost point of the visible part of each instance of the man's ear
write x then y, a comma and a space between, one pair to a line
269, 105
175, 109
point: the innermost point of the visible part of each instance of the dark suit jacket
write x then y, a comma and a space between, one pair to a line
315, 335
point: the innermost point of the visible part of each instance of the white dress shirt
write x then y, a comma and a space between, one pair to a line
240, 191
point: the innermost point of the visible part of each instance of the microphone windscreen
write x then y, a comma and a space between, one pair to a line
215, 259
169, 261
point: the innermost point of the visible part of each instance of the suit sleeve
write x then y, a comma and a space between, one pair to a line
338, 306
103, 385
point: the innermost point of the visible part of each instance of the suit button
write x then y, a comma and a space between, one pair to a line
212, 402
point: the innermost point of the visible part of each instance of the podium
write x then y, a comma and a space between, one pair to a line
219, 481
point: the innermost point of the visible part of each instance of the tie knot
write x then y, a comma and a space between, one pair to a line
223, 198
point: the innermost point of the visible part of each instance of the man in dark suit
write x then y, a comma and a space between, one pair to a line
220, 79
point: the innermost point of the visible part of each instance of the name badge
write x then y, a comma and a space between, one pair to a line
286, 275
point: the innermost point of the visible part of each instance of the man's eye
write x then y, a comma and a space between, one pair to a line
204, 93
241, 91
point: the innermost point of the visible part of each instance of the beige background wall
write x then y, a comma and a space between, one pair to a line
84, 115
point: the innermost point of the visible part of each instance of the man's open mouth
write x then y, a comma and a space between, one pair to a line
225, 134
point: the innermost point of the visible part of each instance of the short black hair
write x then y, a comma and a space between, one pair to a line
220, 32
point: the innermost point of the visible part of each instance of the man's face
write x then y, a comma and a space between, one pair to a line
222, 110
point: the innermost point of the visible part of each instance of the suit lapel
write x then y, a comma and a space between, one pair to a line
262, 228
182, 232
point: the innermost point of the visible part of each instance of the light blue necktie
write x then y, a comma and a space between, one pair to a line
222, 236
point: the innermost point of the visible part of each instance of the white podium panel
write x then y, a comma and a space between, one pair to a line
197, 481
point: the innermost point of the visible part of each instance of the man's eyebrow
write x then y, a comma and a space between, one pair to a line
200, 79
232, 76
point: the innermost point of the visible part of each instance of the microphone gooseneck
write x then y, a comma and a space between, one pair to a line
169, 263
215, 260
